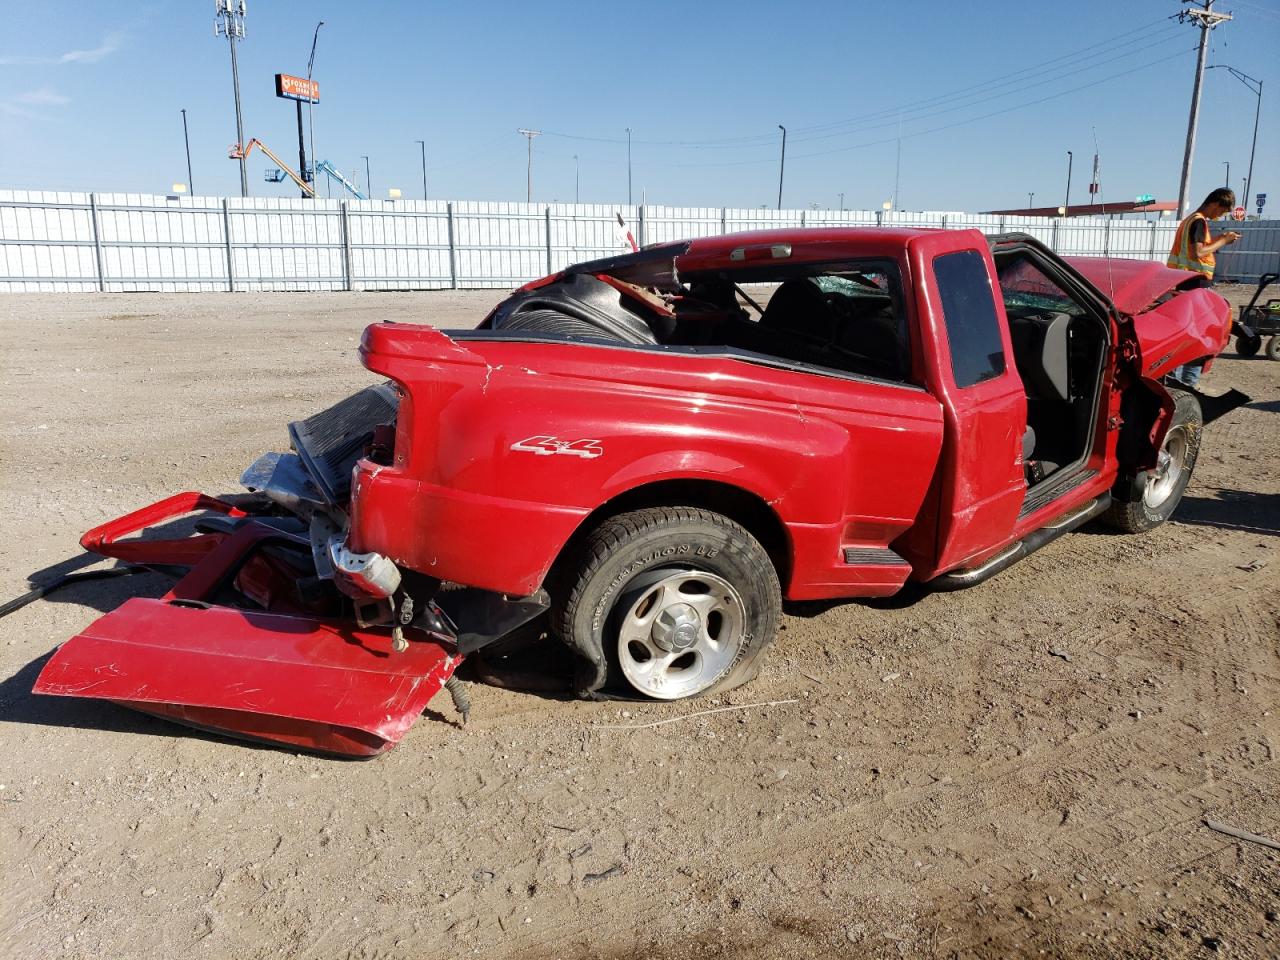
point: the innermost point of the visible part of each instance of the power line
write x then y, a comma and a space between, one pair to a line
1015, 77
949, 126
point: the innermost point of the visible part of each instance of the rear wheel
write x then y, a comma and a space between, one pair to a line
1166, 482
679, 602
1273, 348
1248, 346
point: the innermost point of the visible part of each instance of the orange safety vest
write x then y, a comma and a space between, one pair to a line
1180, 256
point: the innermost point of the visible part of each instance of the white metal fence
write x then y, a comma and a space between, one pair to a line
132, 242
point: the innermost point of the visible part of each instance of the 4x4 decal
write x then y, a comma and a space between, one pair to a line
546, 446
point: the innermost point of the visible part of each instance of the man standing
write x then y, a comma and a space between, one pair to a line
1194, 249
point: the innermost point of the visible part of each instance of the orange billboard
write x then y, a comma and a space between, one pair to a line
297, 88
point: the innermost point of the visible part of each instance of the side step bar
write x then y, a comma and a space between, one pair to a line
959, 579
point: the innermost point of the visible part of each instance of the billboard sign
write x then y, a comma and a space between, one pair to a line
297, 88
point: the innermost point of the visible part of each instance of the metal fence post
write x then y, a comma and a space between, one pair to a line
349, 279
547, 215
945, 222
724, 220
1152, 252
226, 236
453, 251
641, 224
879, 218
1053, 242
1002, 224
97, 241
801, 219
1106, 239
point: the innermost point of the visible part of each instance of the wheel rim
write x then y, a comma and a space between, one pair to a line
1170, 466
680, 634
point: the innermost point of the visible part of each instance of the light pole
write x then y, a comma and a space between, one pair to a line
1031, 200
782, 165
1249, 82
529, 174
1066, 204
841, 203
187, 141
311, 110
423, 145
228, 21
1227, 183
368, 179
628, 166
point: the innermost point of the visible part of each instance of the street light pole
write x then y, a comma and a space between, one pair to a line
1227, 184
368, 179
1249, 82
423, 145
187, 141
1066, 204
628, 166
229, 21
311, 111
1031, 199
529, 176
782, 166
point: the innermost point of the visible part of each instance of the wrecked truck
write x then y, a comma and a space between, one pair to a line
647, 454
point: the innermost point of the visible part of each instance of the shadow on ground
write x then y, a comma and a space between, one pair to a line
1233, 510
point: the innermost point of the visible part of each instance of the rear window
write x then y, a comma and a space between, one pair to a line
969, 311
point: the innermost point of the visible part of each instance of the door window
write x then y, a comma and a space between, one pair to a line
969, 311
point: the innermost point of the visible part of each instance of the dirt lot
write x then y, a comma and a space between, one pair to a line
941, 786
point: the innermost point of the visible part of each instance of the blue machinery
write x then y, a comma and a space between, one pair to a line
334, 174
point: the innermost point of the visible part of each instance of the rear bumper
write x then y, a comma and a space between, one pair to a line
494, 543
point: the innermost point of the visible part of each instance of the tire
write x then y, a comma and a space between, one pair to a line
1248, 346
1273, 348
669, 603
553, 321
1165, 484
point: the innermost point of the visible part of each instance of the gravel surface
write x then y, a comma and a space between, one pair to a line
943, 786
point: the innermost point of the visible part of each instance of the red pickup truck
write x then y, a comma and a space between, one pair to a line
653, 451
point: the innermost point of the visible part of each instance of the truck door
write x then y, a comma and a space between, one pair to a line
979, 485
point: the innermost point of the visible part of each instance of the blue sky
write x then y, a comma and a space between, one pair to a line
90, 94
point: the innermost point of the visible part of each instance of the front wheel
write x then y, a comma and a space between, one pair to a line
676, 602
1248, 346
1166, 482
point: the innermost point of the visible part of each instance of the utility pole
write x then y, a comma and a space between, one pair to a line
782, 166
311, 115
1207, 20
187, 141
1249, 82
1066, 204
423, 145
368, 178
228, 21
628, 166
529, 187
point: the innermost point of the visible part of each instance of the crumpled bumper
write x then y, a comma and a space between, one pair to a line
293, 673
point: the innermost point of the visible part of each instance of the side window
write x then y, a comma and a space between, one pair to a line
845, 316
969, 311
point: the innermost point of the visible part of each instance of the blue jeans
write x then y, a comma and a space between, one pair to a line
1189, 373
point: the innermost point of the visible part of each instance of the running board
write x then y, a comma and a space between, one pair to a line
959, 579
